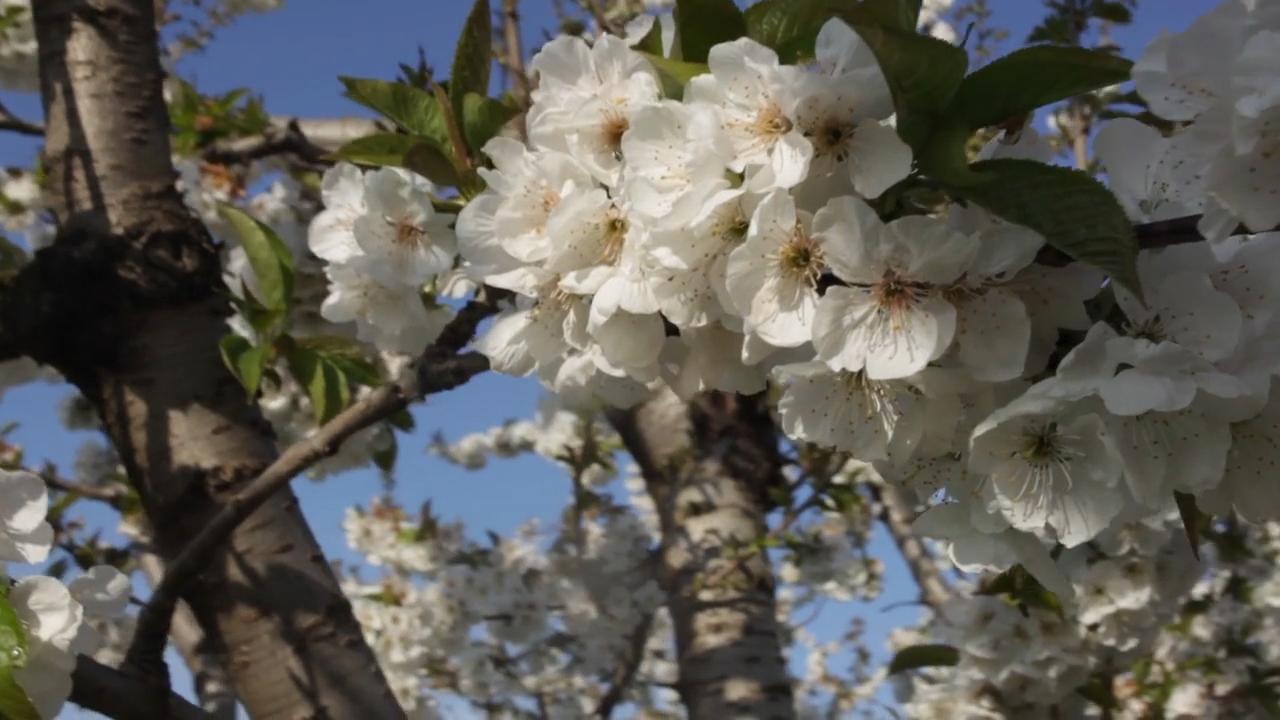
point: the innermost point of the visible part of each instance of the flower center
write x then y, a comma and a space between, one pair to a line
832, 138
614, 127
615, 235
407, 234
1043, 445
896, 296
801, 258
1150, 329
771, 122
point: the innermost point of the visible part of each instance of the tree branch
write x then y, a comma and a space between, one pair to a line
212, 686
441, 367
897, 515
118, 694
13, 123
512, 58
624, 674
309, 139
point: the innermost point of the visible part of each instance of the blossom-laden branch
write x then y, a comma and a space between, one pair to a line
442, 366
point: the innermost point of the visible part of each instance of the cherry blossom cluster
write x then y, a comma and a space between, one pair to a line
1156, 634
495, 623
1226, 106
54, 617
733, 240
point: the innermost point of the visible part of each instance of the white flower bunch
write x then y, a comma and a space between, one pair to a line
732, 237
1222, 161
745, 236
384, 243
496, 623
52, 616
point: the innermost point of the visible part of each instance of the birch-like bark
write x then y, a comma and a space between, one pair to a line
708, 465
128, 304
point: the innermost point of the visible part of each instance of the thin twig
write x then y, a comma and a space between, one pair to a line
513, 55
441, 367
597, 12
13, 123
111, 494
625, 673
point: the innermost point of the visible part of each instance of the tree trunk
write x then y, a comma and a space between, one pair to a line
708, 466
129, 305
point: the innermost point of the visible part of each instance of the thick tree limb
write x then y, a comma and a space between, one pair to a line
708, 466
129, 305
442, 367
117, 694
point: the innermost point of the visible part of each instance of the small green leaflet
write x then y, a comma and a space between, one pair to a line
472, 58
245, 361
270, 259
482, 118
378, 150
413, 109
14, 704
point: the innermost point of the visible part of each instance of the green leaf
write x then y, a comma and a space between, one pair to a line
270, 259
923, 74
675, 74
14, 704
482, 118
385, 458
1075, 213
13, 638
1031, 78
245, 362
1098, 690
1191, 517
472, 58
325, 382
790, 27
402, 421
897, 14
700, 24
1018, 584
1111, 11
428, 160
411, 108
347, 355
918, 656
378, 150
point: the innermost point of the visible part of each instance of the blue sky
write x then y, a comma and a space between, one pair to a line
293, 57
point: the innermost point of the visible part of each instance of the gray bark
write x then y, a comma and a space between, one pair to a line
128, 305
708, 466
